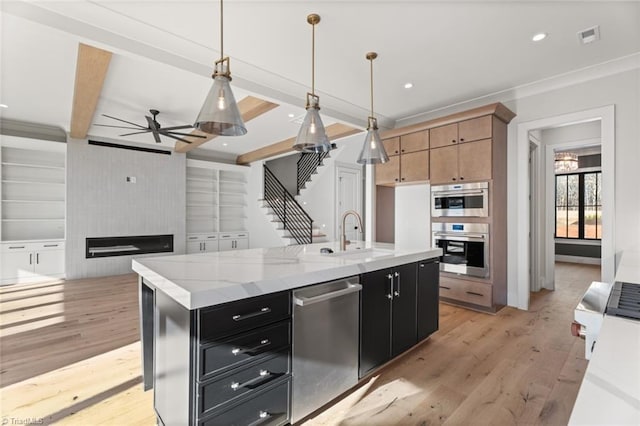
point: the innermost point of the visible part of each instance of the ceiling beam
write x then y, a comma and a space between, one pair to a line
334, 131
250, 108
91, 70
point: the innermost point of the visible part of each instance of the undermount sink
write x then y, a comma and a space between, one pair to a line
361, 253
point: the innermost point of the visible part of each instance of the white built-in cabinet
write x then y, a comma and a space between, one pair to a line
33, 209
216, 206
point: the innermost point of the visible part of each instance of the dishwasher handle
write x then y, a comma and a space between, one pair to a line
306, 301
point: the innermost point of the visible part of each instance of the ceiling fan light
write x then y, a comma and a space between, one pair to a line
220, 114
312, 136
373, 151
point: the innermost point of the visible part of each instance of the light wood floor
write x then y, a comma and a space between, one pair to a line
70, 355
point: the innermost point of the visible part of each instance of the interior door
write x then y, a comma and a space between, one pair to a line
349, 198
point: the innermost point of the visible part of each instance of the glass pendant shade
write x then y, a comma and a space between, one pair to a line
312, 136
373, 151
565, 162
220, 114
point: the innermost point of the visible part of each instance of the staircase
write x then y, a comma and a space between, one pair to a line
292, 222
308, 164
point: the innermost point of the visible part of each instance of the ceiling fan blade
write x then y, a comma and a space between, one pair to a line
154, 128
177, 138
136, 133
163, 131
119, 127
124, 121
185, 126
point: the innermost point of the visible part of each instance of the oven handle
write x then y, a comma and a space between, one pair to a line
467, 192
456, 237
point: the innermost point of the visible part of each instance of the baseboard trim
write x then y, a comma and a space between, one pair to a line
578, 259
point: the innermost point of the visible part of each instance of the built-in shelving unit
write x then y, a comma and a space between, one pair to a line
216, 203
32, 217
33, 190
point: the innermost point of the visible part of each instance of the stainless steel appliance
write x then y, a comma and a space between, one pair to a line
465, 247
589, 314
460, 200
325, 343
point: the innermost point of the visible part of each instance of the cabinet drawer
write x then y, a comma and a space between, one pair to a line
234, 235
270, 407
49, 245
466, 291
242, 315
16, 247
245, 349
242, 382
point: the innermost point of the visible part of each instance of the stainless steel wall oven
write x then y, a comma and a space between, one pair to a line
460, 200
465, 247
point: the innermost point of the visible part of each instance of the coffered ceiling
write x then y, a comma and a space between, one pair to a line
163, 53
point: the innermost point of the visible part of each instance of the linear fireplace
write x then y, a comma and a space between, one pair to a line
128, 246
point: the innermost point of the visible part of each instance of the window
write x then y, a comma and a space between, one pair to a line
579, 205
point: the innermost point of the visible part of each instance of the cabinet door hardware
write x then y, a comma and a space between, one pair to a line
253, 383
445, 287
461, 177
397, 291
211, 236
453, 178
262, 311
473, 293
37, 258
461, 139
250, 351
51, 245
453, 141
30, 258
390, 295
263, 417
15, 247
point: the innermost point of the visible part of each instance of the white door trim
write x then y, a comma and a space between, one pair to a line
607, 132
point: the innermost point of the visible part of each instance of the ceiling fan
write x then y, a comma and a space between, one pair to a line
154, 127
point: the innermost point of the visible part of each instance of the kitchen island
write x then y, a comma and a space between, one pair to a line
217, 333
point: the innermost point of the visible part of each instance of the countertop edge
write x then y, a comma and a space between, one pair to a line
237, 291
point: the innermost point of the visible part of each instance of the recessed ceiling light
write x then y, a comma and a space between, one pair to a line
539, 36
225, 144
4, 106
291, 115
408, 85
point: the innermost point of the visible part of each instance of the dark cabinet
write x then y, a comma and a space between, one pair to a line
387, 315
428, 288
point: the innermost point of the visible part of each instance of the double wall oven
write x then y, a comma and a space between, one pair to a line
465, 246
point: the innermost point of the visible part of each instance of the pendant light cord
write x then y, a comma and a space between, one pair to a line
221, 33
371, 62
313, 59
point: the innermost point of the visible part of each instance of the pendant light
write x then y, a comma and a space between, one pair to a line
220, 114
373, 151
312, 136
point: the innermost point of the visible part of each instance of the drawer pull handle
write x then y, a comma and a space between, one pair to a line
211, 237
16, 247
445, 287
252, 383
250, 351
262, 311
473, 293
51, 245
263, 417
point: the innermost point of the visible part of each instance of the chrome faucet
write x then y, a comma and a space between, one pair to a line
343, 238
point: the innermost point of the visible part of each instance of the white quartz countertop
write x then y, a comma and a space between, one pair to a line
206, 279
610, 391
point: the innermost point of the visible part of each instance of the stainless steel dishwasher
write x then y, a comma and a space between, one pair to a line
325, 343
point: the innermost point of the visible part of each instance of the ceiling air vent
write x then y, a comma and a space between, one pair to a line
589, 35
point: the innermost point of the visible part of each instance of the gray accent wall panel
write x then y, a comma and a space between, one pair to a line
581, 250
101, 203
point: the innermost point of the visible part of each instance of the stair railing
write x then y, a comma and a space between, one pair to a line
307, 165
286, 208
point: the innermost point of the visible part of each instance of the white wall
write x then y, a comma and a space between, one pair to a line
261, 231
100, 203
623, 91
413, 216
